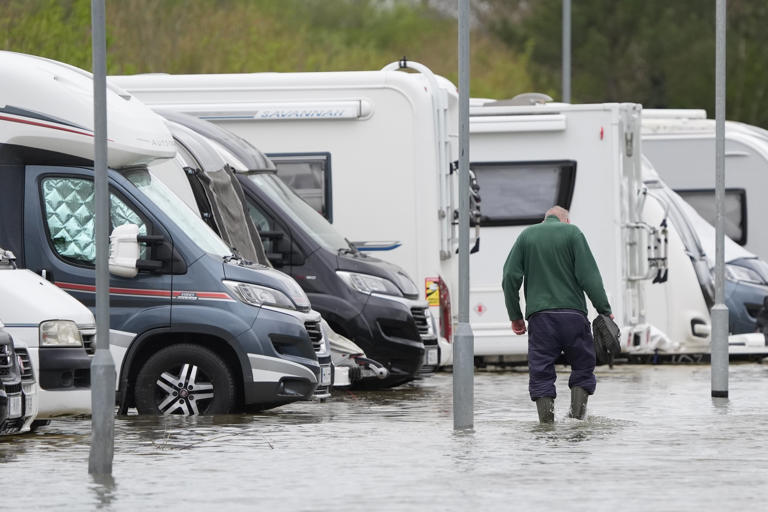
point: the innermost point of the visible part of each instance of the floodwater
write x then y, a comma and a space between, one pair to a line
654, 440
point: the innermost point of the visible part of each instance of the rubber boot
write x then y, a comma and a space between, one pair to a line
546, 409
579, 398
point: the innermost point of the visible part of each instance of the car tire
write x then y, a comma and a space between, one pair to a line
185, 379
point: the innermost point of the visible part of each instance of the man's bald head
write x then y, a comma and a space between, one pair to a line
559, 212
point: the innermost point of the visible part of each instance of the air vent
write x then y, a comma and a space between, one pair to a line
422, 323
315, 336
27, 374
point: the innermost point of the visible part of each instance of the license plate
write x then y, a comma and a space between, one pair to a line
14, 406
325, 376
430, 357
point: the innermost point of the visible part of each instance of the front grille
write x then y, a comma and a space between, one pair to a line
315, 336
89, 340
6, 361
26, 371
422, 323
13, 388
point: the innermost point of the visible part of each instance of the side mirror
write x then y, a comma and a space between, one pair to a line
124, 250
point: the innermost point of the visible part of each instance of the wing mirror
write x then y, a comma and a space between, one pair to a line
124, 251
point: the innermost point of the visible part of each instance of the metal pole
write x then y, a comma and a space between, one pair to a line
463, 340
566, 51
719, 344
102, 367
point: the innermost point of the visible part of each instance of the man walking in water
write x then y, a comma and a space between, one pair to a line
554, 261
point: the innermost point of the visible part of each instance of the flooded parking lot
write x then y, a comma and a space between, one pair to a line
654, 440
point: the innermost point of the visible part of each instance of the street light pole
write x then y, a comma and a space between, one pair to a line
463, 340
102, 367
719, 343
566, 51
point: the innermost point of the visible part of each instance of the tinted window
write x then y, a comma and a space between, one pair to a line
703, 201
519, 193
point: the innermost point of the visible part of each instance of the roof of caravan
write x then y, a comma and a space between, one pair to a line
487, 107
303, 80
48, 105
250, 156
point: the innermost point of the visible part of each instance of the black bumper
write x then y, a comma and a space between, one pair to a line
64, 368
384, 329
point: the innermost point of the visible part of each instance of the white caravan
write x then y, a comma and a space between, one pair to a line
376, 148
681, 146
681, 305
585, 158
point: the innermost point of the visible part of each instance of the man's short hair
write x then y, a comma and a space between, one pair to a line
559, 212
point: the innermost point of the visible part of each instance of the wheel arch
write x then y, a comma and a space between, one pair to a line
148, 343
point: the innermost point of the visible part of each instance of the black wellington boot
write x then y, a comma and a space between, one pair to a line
579, 397
546, 409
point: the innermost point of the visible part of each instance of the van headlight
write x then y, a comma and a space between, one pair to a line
60, 333
256, 295
368, 284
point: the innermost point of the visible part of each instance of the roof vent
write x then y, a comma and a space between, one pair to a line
521, 100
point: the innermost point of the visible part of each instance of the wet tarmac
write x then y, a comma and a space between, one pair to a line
654, 440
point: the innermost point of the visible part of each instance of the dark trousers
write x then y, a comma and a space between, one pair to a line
550, 333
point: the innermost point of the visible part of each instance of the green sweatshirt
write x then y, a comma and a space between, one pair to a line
558, 267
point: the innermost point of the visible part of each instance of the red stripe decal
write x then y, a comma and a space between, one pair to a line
145, 292
45, 125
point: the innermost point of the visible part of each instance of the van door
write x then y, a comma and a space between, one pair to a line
59, 233
275, 236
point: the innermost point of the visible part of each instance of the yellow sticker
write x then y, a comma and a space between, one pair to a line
432, 291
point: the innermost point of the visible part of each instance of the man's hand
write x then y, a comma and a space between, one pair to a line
518, 326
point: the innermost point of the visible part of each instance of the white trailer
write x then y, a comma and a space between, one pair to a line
373, 149
585, 158
681, 146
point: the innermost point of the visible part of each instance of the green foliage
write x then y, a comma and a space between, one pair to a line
221, 36
660, 53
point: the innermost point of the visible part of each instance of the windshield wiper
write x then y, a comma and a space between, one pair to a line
348, 250
235, 256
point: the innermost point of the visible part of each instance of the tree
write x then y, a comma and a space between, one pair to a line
656, 52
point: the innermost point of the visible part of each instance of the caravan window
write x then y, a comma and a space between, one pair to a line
309, 175
520, 193
69, 215
703, 201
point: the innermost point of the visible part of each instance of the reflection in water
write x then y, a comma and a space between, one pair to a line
652, 427
103, 488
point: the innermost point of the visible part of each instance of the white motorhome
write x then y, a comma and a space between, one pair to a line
681, 146
54, 334
377, 146
585, 158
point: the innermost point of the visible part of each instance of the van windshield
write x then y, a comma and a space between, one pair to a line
178, 211
312, 222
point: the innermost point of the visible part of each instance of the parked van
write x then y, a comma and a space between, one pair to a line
221, 197
370, 301
585, 158
196, 329
376, 149
18, 392
681, 146
57, 333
